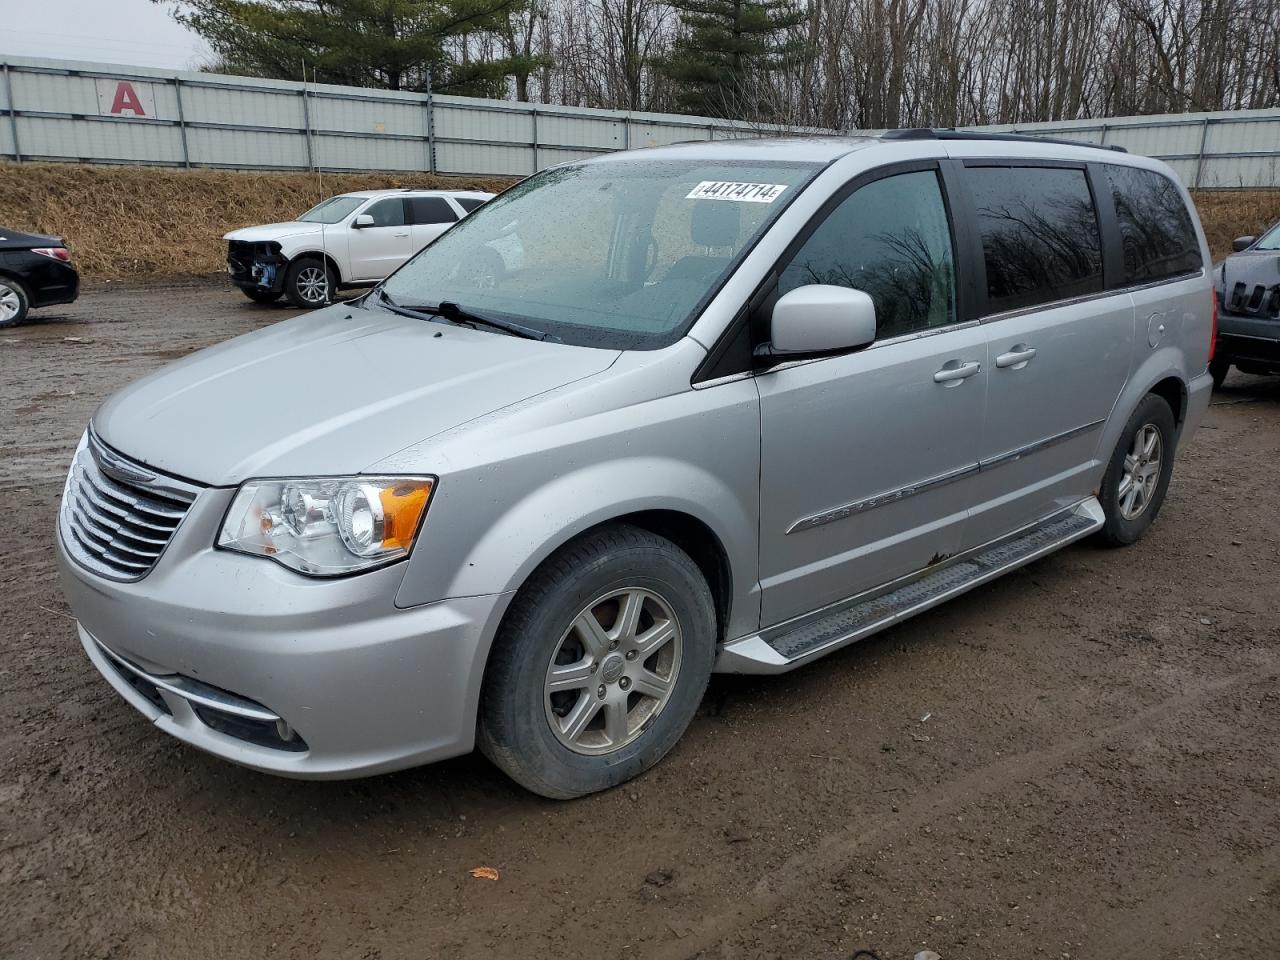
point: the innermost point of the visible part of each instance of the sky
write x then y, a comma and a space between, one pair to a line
132, 32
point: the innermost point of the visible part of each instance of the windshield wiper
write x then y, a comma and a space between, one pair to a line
457, 314
388, 303
448, 310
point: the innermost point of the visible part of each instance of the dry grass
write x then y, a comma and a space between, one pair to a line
1227, 214
128, 222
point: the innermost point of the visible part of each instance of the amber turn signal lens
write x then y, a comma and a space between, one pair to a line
402, 508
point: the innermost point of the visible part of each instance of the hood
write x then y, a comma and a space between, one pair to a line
331, 392
1249, 283
274, 231
14, 240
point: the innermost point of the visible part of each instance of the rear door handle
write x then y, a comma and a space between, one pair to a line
401, 234
955, 370
1019, 356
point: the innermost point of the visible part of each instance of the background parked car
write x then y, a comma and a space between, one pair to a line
35, 271
351, 240
1248, 285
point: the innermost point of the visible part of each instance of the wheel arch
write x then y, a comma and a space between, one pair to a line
687, 531
690, 534
1163, 374
8, 274
324, 255
1173, 390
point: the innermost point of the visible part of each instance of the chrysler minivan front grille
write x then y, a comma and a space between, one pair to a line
118, 516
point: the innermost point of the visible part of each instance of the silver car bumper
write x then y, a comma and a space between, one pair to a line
304, 678
1198, 393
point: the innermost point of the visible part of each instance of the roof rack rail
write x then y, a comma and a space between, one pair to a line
951, 133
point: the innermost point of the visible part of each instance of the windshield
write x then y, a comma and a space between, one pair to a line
332, 210
615, 254
1270, 240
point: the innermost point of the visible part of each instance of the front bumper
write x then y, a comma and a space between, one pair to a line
252, 267
212, 645
1249, 339
1251, 351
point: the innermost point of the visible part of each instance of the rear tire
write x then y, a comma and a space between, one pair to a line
262, 296
1137, 477
15, 302
1218, 369
600, 664
310, 283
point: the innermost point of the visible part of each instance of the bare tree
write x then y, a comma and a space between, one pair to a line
870, 64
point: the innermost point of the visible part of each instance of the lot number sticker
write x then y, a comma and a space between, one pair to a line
741, 192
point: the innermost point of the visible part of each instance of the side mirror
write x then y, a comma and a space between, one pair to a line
821, 318
362, 221
1242, 243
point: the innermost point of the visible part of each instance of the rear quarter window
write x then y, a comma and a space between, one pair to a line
1156, 232
1040, 236
430, 210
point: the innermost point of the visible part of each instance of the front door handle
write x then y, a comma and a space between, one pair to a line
401, 234
1019, 356
955, 370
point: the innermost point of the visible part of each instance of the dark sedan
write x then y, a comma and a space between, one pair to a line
35, 271
1248, 285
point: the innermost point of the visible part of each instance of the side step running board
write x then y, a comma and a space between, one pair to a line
791, 644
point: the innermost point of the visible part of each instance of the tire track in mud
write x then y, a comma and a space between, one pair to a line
803, 873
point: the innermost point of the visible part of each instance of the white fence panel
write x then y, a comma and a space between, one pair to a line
246, 149
101, 113
242, 108
484, 158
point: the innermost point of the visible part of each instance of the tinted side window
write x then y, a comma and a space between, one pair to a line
387, 213
1040, 236
469, 203
1155, 227
889, 239
430, 210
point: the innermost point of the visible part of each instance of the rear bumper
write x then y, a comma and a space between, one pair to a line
49, 282
214, 648
66, 290
1198, 393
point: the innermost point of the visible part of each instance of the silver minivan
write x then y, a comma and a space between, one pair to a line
740, 404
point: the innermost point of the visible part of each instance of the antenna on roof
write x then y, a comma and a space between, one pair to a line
324, 231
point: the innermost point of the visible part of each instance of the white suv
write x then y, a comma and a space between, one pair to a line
351, 240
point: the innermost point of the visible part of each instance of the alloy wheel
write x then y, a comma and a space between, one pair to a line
613, 671
313, 285
1141, 472
10, 302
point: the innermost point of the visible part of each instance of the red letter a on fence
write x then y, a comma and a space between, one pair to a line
127, 99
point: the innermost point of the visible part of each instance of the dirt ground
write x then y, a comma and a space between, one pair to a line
1080, 760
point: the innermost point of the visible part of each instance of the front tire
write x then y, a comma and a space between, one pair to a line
14, 302
600, 664
1137, 477
309, 283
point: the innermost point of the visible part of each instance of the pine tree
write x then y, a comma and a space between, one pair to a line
391, 44
724, 46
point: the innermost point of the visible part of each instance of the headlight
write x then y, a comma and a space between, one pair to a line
329, 526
